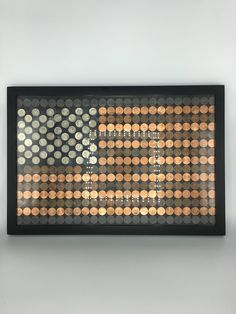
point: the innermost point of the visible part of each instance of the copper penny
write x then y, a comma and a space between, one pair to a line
102, 127
152, 110
144, 110
119, 110
160, 211
102, 111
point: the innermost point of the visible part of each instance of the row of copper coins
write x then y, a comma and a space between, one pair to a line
117, 177
35, 211
116, 194
156, 143
156, 160
144, 110
144, 127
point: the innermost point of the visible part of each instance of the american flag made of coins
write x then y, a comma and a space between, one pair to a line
116, 160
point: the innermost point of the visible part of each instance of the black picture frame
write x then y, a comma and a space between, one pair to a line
12, 228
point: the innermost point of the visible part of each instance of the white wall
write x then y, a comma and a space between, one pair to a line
112, 42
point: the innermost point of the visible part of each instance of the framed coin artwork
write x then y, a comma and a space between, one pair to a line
116, 160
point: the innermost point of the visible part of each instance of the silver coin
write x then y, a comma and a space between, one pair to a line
86, 141
26, 102
65, 160
71, 129
57, 117
65, 148
93, 148
86, 154
57, 154
21, 124
58, 142
35, 136
85, 129
69, 102
52, 102
28, 142
28, 130
93, 160
21, 148
35, 148
42, 142
79, 123
50, 136
77, 101
92, 111
79, 147
50, 112
35, 102
43, 118
50, 123
78, 135
43, 154
60, 103
65, 124
80, 160
72, 154
79, 111
21, 112
72, 142
65, 111
35, 112
65, 136
28, 118
43, 130
50, 148
43, 102
85, 117
21, 160
92, 123
57, 130
72, 118
35, 160
21, 136
28, 154
35, 124
50, 161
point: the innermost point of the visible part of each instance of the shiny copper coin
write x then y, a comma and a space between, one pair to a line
162, 110
85, 211
35, 194
118, 211
136, 110
110, 211
152, 110
135, 211
119, 127
212, 211
169, 211
102, 127
144, 110
119, 110
161, 211
152, 211
26, 211
52, 211
127, 110
102, 110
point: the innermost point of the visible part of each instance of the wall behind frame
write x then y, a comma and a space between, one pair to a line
119, 43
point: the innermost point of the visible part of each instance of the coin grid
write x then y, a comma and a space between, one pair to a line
172, 184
